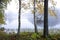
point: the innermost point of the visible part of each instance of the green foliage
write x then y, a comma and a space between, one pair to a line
27, 36
34, 36
3, 5
2, 29
1, 18
3, 35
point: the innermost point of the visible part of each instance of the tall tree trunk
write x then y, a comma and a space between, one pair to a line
36, 31
19, 21
45, 18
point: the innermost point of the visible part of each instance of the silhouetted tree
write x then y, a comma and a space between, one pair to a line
36, 31
19, 21
45, 18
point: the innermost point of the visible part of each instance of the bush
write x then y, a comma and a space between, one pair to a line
27, 36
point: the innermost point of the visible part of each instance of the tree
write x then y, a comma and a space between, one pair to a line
19, 23
40, 6
43, 9
36, 31
2, 29
3, 5
45, 18
2, 18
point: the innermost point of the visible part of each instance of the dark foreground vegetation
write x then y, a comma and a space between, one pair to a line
27, 36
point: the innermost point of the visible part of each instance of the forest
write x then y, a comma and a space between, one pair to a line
40, 10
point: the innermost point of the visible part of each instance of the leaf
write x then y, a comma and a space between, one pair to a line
53, 3
52, 13
40, 8
3, 5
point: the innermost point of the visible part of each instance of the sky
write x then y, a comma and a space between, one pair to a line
11, 17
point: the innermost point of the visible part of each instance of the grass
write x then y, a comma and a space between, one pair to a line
30, 36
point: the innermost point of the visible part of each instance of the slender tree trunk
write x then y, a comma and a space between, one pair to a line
45, 18
36, 31
19, 21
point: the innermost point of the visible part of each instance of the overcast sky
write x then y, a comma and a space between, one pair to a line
11, 14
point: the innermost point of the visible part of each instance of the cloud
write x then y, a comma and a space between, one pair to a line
26, 18
57, 26
12, 25
12, 20
13, 6
26, 24
10, 16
